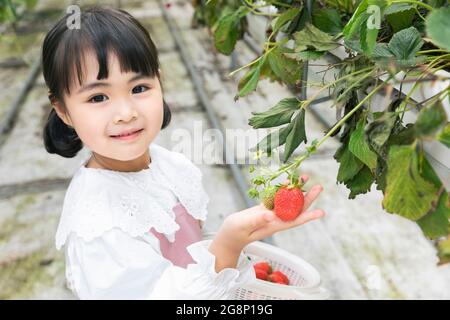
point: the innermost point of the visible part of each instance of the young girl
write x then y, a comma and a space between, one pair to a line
130, 219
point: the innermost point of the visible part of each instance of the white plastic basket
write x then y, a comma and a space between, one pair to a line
304, 280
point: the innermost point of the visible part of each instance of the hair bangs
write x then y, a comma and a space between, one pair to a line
103, 35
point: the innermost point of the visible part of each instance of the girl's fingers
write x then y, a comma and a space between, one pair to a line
279, 225
311, 196
309, 216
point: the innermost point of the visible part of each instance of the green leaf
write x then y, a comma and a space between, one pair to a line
444, 135
310, 36
285, 17
400, 16
431, 119
402, 135
405, 43
355, 19
368, 38
305, 55
249, 81
273, 139
443, 247
407, 193
279, 114
359, 146
228, 30
438, 27
436, 223
296, 136
349, 164
287, 69
381, 51
328, 20
360, 183
379, 130
401, 50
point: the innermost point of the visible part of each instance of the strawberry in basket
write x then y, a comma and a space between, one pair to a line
264, 272
278, 277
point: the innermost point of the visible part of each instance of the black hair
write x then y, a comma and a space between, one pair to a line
102, 30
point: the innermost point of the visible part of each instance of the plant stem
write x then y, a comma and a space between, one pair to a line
301, 158
419, 3
307, 102
251, 63
348, 115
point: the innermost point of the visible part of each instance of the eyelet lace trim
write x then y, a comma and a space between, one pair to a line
99, 200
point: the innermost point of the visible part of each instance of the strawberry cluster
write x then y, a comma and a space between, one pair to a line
286, 200
264, 272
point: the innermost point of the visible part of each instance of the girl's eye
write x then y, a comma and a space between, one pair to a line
98, 98
139, 89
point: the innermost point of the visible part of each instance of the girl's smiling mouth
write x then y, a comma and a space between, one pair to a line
128, 136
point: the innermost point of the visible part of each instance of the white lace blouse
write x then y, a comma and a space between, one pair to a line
109, 251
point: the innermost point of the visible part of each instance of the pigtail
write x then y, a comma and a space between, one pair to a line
59, 138
167, 116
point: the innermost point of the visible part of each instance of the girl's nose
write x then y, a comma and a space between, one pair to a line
125, 112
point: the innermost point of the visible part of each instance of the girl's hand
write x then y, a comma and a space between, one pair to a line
258, 222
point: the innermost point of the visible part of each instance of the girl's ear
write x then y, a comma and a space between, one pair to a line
61, 114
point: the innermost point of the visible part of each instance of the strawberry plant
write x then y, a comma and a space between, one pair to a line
387, 43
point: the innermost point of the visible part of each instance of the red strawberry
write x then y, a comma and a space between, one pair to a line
278, 277
263, 266
288, 202
261, 274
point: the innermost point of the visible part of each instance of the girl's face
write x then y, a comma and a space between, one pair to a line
100, 109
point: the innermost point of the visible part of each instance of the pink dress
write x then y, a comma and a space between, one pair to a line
188, 233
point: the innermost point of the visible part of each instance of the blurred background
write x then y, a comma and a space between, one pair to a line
360, 251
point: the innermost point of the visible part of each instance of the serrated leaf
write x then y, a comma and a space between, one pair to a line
352, 23
379, 130
401, 50
360, 148
287, 69
443, 247
407, 193
249, 81
273, 139
444, 136
296, 136
310, 36
305, 55
285, 17
438, 27
349, 164
360, 183
228, 30
405, 43
279, 114
399, 16
368, 38
436, 223
402, 135
431, 119
381, 51
328, 20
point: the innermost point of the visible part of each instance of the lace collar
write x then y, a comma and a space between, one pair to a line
98, 200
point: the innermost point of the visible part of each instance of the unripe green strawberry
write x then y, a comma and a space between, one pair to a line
267, 196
